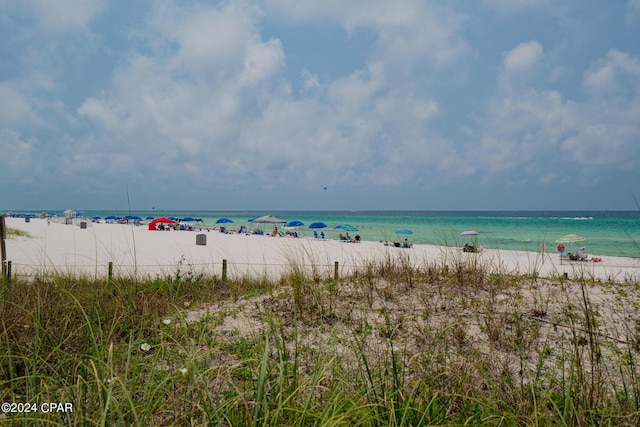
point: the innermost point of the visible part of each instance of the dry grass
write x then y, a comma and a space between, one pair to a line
393, 344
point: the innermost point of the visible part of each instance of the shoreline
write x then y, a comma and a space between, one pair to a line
134, 250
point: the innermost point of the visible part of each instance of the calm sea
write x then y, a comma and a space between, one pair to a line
605, 233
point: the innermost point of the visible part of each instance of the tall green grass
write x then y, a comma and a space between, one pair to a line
392, 345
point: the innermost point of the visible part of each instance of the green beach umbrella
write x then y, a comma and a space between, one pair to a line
570, 238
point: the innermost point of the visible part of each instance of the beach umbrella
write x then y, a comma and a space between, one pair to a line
295, 223
149, 218
224, 221
95, 217
173, 218
570, 238
469, 233
404, 231
187, 219
337, 227
350, 228
317, 225
110, 217
268, 219
164, 220
133, 217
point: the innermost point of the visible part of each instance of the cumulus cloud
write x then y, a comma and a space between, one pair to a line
539, 132
613, 75
58, 16
201, 93
407, 30
523, 57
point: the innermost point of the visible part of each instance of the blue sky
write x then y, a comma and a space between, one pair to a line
288, 104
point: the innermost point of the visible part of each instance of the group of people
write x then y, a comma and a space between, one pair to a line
405, 244
348, 238
579, 256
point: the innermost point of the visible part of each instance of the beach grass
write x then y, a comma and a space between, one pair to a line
392, 344
13, 233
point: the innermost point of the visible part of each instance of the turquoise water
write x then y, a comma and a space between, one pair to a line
605, 233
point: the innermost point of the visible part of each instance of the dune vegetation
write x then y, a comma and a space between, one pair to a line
391, 345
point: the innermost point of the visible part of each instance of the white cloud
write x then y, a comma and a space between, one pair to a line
537, 132
408, 30
56, 16
615, 73
523, 57
17, 159
15, 107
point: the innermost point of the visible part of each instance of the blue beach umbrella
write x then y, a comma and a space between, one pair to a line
187, 219
173, 218
318, 225
350, 228
110, 217
134, 217
95, 217
149, 218
337, 227
224, 221
295, 223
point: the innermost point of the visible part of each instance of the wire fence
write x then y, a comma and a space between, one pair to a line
223, 269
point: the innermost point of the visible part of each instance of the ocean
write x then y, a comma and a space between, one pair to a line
605, 233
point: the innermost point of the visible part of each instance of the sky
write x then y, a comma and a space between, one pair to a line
320, 104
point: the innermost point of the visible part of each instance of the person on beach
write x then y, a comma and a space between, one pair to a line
406, 244
275, 231
580, 255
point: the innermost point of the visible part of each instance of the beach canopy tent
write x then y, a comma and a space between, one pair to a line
268, 219
155, 222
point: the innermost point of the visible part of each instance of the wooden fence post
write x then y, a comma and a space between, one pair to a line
3, 236
335, 271
224, 270
110, 270
9, 271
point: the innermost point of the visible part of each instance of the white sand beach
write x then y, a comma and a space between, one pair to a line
137, 250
